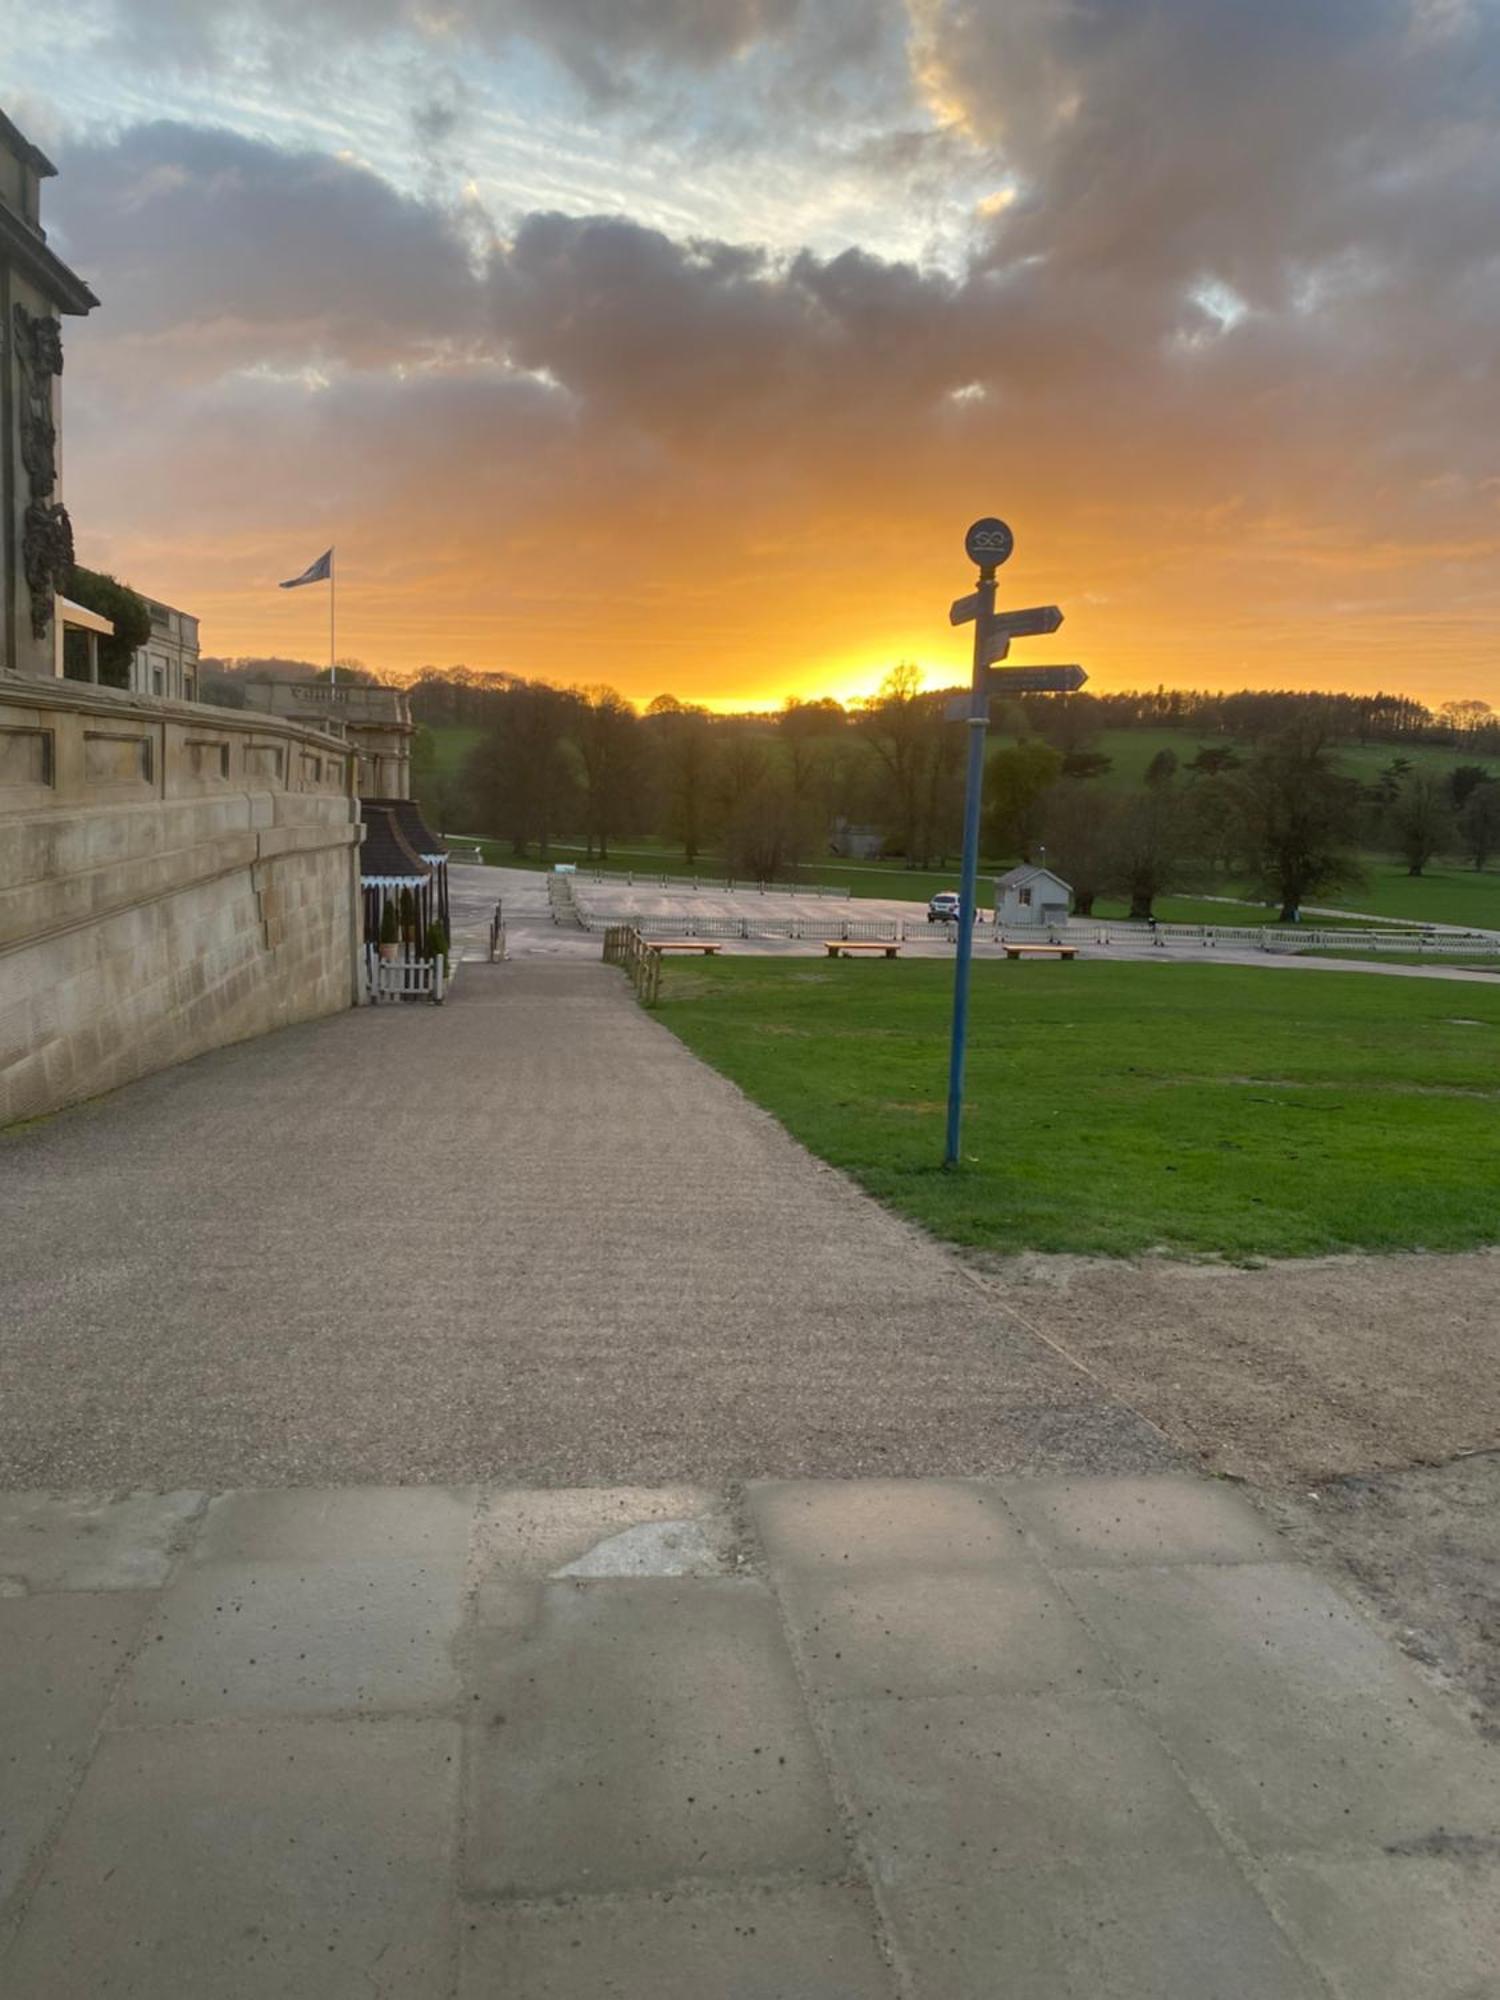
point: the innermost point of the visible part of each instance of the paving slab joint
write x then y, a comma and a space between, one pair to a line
1251, 1867
849, 1819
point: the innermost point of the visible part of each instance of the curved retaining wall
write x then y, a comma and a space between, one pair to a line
173, 876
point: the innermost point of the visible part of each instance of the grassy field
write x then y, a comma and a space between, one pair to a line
1467, 961
1440, 896
1119, 1108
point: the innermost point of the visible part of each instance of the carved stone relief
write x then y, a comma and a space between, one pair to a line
46, 532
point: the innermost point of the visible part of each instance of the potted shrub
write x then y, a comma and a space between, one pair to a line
390, 931
408, 917
437, 943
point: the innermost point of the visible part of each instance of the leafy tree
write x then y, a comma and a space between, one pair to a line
1422, 821
1086, 764
1147, 837
1214, 759
1016, 782
521, 776
1299, 814
124, 607
1162, 769
1479, 823
1464, 779
1080, 826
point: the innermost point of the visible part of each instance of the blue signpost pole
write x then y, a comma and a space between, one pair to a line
976, 724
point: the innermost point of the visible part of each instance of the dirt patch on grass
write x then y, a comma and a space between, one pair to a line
1420, 1550
1359, 1396
1290, 1373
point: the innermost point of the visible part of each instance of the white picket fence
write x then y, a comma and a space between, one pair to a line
403, 977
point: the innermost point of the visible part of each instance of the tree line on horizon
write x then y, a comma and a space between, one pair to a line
1264, 801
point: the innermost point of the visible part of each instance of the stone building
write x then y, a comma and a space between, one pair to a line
172, 877
374, 721
168, 662
36, 289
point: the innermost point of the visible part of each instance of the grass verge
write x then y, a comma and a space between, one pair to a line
1118, 1108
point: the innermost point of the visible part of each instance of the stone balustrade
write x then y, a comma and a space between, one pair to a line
173, 876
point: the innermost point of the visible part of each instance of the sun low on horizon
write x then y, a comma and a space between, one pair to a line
674, 349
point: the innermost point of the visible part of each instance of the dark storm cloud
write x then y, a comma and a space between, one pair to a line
230, 251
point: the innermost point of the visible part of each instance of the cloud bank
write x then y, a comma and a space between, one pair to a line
1222, 341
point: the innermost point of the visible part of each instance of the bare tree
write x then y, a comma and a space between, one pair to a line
685, 760
606, 732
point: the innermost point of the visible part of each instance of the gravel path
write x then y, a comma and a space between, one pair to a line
524, 1237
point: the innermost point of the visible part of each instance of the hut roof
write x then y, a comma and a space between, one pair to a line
386, 856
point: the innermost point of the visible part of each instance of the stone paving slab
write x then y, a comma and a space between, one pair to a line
341, 1524
59, 1658
1388, 1926
1283, 1707
755, 1944
290, 1639
1090, 1522
1036, 1845
852, 1523
639, 1733
935, 1631
888, 1739
90, 1541
265, 1859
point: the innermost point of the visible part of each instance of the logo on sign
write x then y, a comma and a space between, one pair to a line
988, 542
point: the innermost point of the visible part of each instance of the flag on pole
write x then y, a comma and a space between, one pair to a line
319, 572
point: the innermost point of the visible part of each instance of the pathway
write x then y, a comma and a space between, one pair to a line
490, 1516
907, 1740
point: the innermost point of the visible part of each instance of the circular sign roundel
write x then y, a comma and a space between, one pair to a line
988, 542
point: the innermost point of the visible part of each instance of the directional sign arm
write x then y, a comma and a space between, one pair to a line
1036, 680
1033, 623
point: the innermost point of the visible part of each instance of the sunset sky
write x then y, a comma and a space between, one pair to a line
673, 343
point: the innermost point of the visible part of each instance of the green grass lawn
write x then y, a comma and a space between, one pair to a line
1467, 961
1440, 896
1115, 1109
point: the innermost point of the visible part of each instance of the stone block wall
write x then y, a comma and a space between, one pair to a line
172, 877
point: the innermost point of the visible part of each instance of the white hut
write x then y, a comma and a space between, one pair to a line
1028, 896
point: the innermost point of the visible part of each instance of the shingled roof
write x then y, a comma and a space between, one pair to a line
386, 855
418, 835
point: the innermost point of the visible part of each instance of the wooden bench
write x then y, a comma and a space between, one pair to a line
836, 947
683, 944
1041, 951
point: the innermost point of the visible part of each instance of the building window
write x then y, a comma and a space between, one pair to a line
1023, 897
158, 675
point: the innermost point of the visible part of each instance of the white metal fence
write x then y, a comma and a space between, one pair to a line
691, 924
1261, 937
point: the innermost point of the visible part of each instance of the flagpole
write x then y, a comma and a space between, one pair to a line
333, 672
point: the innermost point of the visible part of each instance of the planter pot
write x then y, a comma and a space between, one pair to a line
389, 952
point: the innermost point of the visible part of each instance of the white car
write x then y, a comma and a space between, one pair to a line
943, 908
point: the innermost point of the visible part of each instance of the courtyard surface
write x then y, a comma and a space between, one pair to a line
488, 1514
946, 1739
